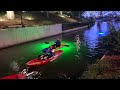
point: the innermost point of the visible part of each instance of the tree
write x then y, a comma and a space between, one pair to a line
10, 15
111, 42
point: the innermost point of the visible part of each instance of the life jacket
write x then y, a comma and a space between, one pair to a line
58, 42
51, 50
46, 50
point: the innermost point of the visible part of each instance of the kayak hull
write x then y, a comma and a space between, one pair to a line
15, 76
36, 62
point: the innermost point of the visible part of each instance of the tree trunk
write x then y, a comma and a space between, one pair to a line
47, 14
10, 15
61, 13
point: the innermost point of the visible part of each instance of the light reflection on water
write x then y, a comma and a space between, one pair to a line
14, 66
91, 37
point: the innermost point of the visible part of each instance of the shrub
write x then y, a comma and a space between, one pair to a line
102, 69
111, 42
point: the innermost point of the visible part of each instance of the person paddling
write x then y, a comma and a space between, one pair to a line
58, 42
52, 51
48, 52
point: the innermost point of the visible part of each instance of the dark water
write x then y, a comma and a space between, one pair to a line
71, 63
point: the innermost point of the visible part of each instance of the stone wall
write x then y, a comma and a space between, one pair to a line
13, 36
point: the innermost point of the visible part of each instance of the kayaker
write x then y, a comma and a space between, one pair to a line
58, 42
52, 51
54, 46
45, 55
48, 52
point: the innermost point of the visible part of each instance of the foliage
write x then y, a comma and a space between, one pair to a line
111, 42
2, 13
101, 70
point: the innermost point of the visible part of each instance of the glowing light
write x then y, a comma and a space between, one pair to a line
10, 15
2, 19
29, 18
62, 16
101, 33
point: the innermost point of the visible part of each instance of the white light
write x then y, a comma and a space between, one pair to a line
62, 16
2, 19
100, 33
29, 18
10, 15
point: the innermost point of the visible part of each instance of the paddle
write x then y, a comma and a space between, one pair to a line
64, 45
47, 42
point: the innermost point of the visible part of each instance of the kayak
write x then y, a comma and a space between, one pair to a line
36, 62
15, 76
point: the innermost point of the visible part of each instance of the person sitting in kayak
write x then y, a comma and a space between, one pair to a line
54, 46
58, 42
48, 52
45, 55
52, 51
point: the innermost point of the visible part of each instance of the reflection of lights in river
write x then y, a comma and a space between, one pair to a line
101, 33
77, 43
14, 66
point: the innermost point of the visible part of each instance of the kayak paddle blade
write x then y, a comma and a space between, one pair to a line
67, 45
47, 42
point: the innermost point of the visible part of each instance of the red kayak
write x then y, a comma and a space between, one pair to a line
36, 62
15, 76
